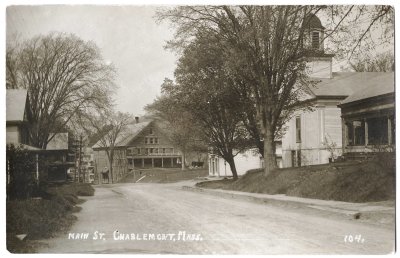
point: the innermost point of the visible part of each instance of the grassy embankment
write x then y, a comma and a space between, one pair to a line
164, 175
41, 218
366, 181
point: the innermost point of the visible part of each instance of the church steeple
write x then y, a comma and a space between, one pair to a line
319, 63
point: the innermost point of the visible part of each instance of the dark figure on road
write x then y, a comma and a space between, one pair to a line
105, 176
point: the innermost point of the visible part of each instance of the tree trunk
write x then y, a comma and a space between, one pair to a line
232, 165
110, 162
183, 160
111, 175
269, 152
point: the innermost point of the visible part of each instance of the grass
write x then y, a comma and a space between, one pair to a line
347, 181
42, 218
164, 175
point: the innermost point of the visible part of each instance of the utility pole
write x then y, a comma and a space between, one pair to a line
76, 158
80, 158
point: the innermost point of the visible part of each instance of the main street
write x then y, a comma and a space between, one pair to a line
162, 218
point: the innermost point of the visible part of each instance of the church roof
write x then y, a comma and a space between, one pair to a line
344, 84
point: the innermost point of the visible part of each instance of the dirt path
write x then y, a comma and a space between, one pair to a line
215, 225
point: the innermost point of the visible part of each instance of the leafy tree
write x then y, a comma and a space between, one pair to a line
203, 89
263, 48
63, 75
265, 53
177, 123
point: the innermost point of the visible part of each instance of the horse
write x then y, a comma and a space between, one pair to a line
105, 176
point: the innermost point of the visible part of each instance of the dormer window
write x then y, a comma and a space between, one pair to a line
315, 41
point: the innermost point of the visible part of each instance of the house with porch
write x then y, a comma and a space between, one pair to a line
143, 145
315, 137
51, 163
58, 157
18, 118
368, 119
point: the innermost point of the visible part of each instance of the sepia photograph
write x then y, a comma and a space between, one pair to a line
198, 129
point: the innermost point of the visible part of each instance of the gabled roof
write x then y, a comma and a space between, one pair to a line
58, 142
372, 88
347, 83
127, 136
15, 104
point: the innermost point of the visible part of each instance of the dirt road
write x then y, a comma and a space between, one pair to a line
161, 218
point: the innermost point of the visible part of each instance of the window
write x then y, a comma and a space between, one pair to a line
298, 129
356, 133
138, 150
315, 40
145, 140
156, 140
151, 150
151, 140
163, 150
155, 150
151, 130
377, 131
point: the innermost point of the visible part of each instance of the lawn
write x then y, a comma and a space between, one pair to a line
41, 218
366, 181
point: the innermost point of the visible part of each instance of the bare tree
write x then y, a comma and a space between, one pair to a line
354, 30
113, 126
380, 63
63, 75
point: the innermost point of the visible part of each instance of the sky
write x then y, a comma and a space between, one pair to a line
128, 36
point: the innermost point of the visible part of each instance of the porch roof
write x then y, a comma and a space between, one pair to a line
374, 87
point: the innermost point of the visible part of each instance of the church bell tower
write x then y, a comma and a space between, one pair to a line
319, 63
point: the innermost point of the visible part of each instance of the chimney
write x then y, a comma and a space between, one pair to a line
137, 119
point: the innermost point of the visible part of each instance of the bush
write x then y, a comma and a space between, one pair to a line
21, 182
43, 217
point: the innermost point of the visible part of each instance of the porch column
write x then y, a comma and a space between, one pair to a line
142, 162
345, 135
389, 123
152, 162
366, 131
133, 162
162, 162
172, 162
37, 168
